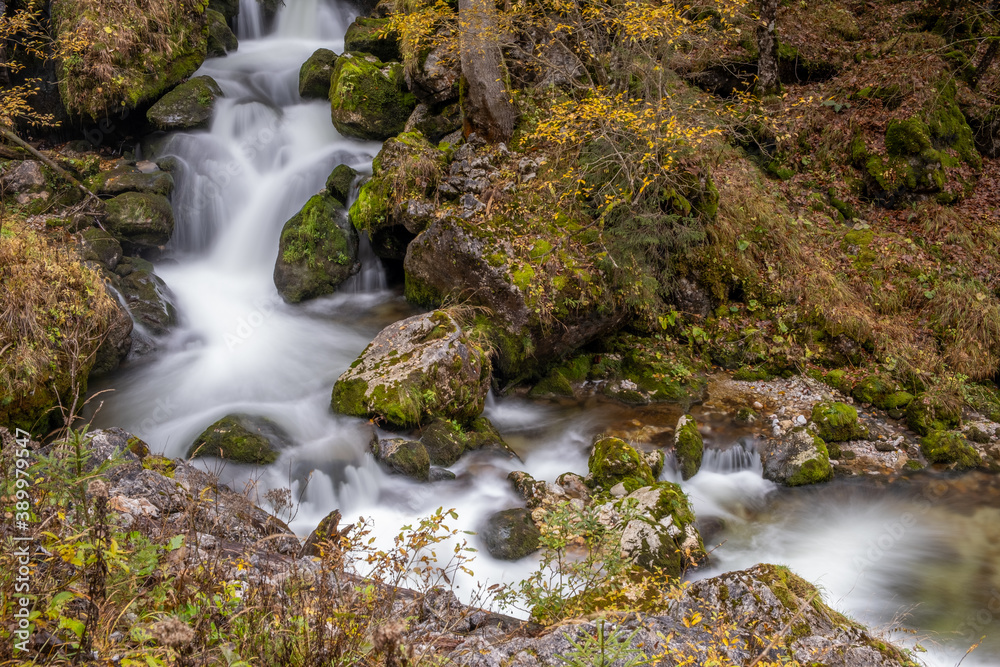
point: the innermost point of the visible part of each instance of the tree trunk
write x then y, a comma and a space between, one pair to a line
767, 44
486, 102
985, 61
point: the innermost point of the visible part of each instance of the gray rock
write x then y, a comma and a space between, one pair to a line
131, 179
147, 297
221, 39
795, 458
510, 534
141, 222
189, 106
21, 177
315, 75
117, 342
96, 245
403, 457
242, 438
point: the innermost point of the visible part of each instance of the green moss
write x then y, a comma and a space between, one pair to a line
984, 399
874, 389
365, 35
949, 447
814, 470
368, 98
897, 400
349, 398
753, 374
838, 380
928, 413
340, 181
315, 74
160, 464
238, 439
614, 461
137, 447
689, 447
553, 384
838, 422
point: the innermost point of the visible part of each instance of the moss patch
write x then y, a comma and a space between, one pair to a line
838, 422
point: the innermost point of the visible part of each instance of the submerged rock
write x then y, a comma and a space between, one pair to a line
318, 251
141, 222
189, 106
510, 534
403, 457
241, 438
368, 98
315, 75
796, 458
446, 441
416, 370
615, 462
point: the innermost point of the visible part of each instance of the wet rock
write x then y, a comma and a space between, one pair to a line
689, 446
403, 457
141, 222
317, 252
613, 462
96, 245
189, 106
315, 75
927, 413
221, 39
147, 297
510, 534
241, 438
365, 35
446, 441
838, 422
340, 182
660, 534
117, 341
950, 447
327, 533
441, 475
532, 491
131, 179
416, 370
368, 98
795, 458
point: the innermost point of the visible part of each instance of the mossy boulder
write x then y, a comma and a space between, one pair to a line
688, 446
396, 200
796, 458
229, 9
136, 53
241, 438
372, 36
221, 39
402, 457
189, 106
949, 447
368, 98
510, 534
660, 534
416, 370
315, 75
838, 422
874, 390
126, 178
434, 77
614, 462
141, 222
435, 123
96, 245
147, 297
446, 441
317, 252
928, 412
340, 181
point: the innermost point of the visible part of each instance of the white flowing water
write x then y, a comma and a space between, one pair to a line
240, 348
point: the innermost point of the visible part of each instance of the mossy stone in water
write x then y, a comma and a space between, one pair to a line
221, 39
315, 75
614, 461
873, 389
927, 413
689, 446
949, 447
370, 35
368, 98
339, 182
189, 106
241, 438
511, 534
661, 535
140, 221
403, 457
838, 422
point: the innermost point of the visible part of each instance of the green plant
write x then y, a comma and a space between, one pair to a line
604, 650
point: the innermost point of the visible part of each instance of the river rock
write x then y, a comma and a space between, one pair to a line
403, 457
416, 370
950, 447
315, 75
613, 462
365, 35
660, 534
838, 422
241, 438
147, 297
189, 106
221, 39
141, 222
117, 341
126, 178
327, 533
510, 534
368, 98
317, 252
446, 441
435, 123
340, 182
689, 446
795, 458
96, 245
229, 9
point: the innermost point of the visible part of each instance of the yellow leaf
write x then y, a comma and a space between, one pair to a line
107, 29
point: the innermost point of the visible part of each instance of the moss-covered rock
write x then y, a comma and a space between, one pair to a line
422, 368
229, 9
614, 462
874, 390
660, 535
689, 446
241, 438
148, 298
129, 179
136, 52
96, 245
796, 458
838, 422
189, 106
368, 98
221, 39
141, 222
949, 447
315, 75
435, 123
433, 76
396, 199
446, 441
929, 412
403, 457
372, 36
340, 181
318, 251
510, 534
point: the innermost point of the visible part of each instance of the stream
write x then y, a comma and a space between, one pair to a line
919, 553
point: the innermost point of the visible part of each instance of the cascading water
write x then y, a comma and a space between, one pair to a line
239, 348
